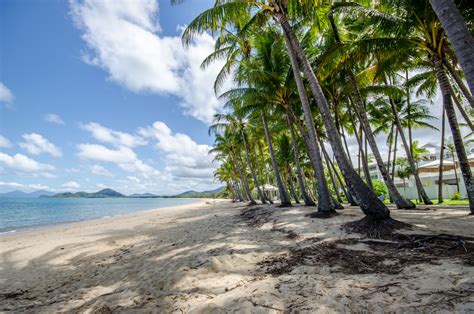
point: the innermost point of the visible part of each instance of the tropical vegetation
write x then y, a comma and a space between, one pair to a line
307, 75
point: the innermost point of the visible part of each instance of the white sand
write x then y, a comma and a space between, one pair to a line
202, 258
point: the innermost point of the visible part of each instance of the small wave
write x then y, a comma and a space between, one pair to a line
8, 232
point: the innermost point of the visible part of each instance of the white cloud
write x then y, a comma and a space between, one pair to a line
123, 39
124, 157
23, 163
53, 118
71, 185
101, 171
16, 185
184, 157
6, 95
118, 138
36, 144
4, 142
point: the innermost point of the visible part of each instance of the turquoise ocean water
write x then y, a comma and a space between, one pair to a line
21, 213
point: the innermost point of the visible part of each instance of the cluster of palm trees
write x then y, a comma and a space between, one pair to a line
306, 73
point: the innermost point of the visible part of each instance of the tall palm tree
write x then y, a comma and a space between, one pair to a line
458, 34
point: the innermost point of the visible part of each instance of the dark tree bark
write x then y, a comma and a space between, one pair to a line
457, 137
284, 198
459, 82
459, 36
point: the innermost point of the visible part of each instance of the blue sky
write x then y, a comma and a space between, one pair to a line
102, 94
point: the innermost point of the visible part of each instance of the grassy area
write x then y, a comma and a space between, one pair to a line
447, 202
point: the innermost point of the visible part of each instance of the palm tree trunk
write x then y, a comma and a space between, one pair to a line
459, 82
419, 185
299, 176
325, 205
457, 137
360, 110
292, 188
374, 208
400, 201
243, 179
441, 158
247, 157
284, 198
395, 154
459, 36
456, 174
362, 156
461, 109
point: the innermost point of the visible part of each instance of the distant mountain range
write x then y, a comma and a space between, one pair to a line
105, 193
20, 194
109, 193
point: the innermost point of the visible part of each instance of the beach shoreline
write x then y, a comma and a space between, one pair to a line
46, 227
207, 256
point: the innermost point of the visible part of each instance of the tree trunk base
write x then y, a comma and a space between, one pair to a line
322, 215
406, 204
309, 203
375, 228
285, 204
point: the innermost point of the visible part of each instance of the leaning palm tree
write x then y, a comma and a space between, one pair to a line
458, 34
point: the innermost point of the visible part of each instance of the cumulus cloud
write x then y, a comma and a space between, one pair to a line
6, 95
123, 39
53, 118
118, 138
100, 171
71, 185
20, 162
123, 157
4, 142
183, 156
36, 144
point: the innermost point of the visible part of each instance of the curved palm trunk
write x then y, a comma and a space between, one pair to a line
411, 161
459, 82
441, 159
457, 137
399, 200
459, 36
299, 176
284, 198
373, 207
243, 179
461, 109
247, 157
325, 204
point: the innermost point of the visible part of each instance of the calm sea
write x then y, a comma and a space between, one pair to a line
20, 213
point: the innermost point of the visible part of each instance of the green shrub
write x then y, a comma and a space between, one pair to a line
456, 196
380, 188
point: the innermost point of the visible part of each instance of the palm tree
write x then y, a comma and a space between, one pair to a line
361, 113
225, 145
236, 123
458, 34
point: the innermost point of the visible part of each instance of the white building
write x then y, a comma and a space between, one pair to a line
428, 170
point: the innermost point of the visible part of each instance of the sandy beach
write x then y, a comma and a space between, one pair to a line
209, 257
